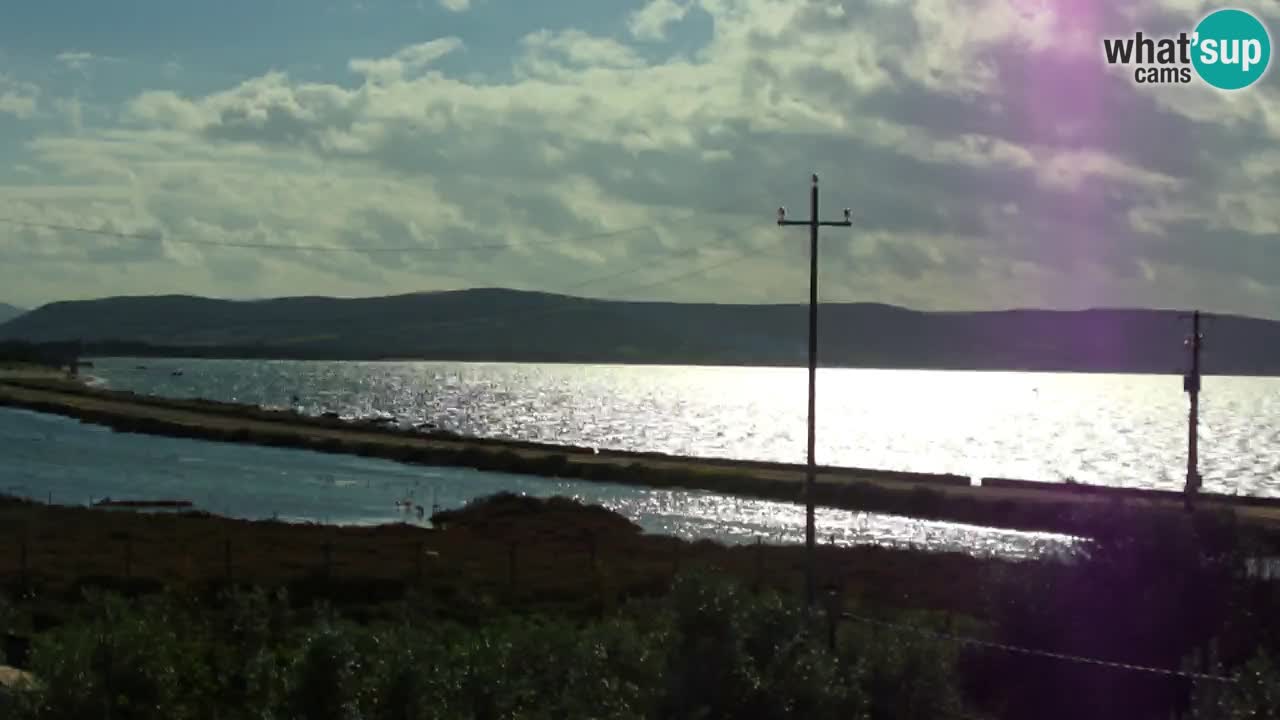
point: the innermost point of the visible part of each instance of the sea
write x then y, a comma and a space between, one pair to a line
48, 458
1124, 430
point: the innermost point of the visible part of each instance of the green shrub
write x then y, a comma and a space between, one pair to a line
1254, 695
323, 680
734, 655
708, 649
903, 676
123, 661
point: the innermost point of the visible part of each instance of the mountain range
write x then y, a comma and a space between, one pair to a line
519, 326
9, 312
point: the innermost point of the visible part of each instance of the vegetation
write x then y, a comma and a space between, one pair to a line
1255, 694
550, 609
708, 649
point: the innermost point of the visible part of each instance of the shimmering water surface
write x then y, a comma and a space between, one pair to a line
46, 456
1110, 429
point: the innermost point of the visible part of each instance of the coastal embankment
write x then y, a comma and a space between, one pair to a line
1015, 504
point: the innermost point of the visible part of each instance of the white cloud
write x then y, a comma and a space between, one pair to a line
22, 106
456, 5
1069, 169
19, 99
928, 116
407, 61
580, 49
651, 21
81, 61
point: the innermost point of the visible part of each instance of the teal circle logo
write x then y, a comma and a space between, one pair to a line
1232, 49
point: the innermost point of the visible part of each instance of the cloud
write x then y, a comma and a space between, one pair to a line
991, 157
22, 106
19, 99
579, 49
75, 60
651, 21
82, 61
457, 6
72, 111
405, 62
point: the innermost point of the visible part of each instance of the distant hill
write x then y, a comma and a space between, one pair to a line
9, 312
507, 325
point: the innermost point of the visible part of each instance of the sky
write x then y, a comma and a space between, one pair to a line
629, 149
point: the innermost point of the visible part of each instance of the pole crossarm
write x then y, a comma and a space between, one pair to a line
813, 223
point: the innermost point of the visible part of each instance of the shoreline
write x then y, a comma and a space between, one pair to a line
1004, 503
187, 353
618, 363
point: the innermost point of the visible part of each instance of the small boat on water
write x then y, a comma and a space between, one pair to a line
176, 373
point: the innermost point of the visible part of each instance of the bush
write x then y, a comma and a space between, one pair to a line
123, 661
1153, 588
324, 678
1254, 694
708, 649
903, 676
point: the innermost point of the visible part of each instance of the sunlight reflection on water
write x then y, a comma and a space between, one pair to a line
1127, 430
49, 455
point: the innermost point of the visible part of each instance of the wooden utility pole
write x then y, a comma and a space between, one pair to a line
1191, 385
811, 467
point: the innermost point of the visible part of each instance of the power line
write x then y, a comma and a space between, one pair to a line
696, 271
415, 249
1032, 652
633, 269
523, 314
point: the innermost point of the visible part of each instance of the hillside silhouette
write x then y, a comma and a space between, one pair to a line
519, 326
9, 312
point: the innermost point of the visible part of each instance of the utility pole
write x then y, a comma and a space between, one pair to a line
1191, 385
811, 589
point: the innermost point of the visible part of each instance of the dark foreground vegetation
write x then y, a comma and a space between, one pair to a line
708, 648
532, 609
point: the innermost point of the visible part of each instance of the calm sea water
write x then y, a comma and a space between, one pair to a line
50, 457
1109, 429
